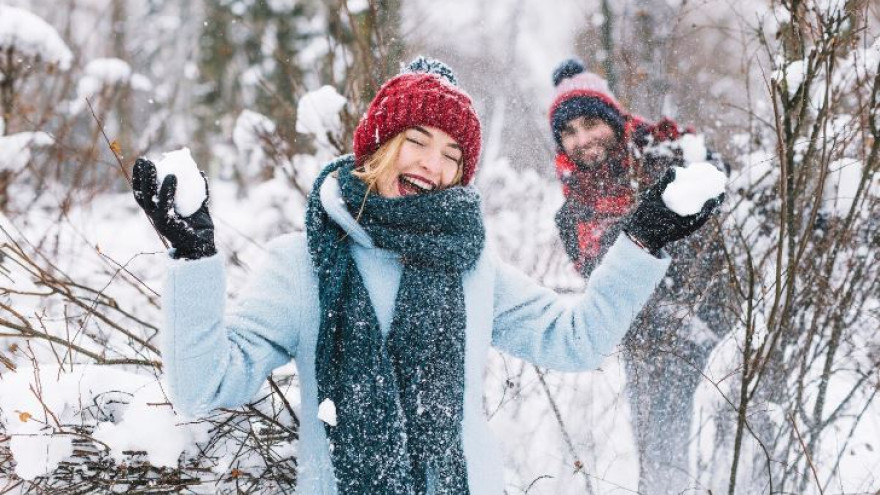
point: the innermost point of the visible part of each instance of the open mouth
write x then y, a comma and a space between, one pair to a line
409, 184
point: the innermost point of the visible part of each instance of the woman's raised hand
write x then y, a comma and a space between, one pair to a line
192, 237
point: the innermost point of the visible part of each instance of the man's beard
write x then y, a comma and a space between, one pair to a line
601, 161
590, 158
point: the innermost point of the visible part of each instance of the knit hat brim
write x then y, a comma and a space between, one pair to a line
585, 104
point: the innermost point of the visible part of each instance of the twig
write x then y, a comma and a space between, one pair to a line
568, 441
284, 400
122, 167
109, 144
806, 453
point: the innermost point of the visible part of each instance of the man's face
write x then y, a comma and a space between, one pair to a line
588, 141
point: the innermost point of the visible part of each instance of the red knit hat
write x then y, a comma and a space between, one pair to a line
426, 94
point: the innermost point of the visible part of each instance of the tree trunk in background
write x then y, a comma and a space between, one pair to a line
645, 87
6, 91
124, 105
215, 55
287, 78
378, 45
390, 36
608, 45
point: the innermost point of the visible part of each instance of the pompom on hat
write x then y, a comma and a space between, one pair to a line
582, 94
426, 93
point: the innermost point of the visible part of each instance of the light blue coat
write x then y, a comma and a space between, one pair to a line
217, 359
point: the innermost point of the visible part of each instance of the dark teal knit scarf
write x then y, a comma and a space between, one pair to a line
399, 401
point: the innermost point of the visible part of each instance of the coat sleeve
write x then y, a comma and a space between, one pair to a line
213, 360
574, 333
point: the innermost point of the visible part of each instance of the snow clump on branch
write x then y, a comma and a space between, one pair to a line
318, 114
130, 413
106, 72
32, 37
15, 149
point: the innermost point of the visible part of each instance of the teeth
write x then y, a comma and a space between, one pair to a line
418, 183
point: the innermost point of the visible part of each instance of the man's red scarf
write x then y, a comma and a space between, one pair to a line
601, 198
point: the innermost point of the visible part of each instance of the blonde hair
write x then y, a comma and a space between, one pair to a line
383, 160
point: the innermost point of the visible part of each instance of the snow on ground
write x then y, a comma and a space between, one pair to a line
593, 411
149, 423
38, 402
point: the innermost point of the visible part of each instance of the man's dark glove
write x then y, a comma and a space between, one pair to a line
653, 224
192, 237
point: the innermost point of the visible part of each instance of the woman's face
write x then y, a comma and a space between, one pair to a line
429, 160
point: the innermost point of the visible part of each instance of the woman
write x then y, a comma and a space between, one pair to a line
388, 303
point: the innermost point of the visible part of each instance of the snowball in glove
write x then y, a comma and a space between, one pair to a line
192, 236
654, 224
693, 186
191, 190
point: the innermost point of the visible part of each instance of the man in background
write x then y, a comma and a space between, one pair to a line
605, 156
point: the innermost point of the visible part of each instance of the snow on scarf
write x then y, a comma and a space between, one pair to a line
399, 401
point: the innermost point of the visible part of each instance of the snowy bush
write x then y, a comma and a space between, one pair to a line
788, 404
786, 401
104, 73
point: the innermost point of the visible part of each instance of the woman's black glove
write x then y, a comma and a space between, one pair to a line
192, 237
653, 224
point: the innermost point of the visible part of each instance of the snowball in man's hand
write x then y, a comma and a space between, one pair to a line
190, 192
692, 187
